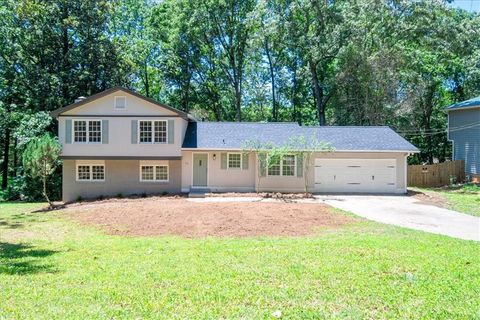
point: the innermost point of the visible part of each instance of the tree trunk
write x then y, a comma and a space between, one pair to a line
272, 80
50, 204
6, 151
238, 100
145, 80
15, 157
318, 93
296, 113
65, 62
217, 112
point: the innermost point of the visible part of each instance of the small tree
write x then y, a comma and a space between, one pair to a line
40, 159
305, 149
268, 155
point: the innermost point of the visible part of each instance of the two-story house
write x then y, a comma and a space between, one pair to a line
120, 142
464, 132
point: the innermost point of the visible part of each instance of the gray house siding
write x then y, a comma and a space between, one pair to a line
464, 131
121, 176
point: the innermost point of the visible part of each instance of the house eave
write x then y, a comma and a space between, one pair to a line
326, 151
84, 157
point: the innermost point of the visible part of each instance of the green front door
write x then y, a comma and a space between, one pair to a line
200, 169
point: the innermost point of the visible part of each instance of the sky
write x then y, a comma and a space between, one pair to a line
469, 5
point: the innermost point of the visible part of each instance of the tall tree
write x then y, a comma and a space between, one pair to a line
224, 29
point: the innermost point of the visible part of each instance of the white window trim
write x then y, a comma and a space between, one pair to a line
115, 103
228, 161
153, 131
88, 132
154, 172
281, 168
91, 172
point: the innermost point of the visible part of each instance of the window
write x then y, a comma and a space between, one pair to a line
87, 172
147, 173
275, 168
285, 167
98, 172
152, 131
83, 172
288, 165
120, 103
160, 131
87, 131
161, 173
154, 173
145, 131
80, 131
234, 161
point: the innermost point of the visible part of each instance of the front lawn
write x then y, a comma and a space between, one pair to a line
53, 268
464, 199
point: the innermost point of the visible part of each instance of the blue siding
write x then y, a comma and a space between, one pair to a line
464, 130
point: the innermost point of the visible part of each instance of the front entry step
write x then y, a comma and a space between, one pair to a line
198, 192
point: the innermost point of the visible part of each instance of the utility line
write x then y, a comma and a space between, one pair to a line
451, 129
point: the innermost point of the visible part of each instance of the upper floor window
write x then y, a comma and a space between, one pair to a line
234, 161
120, 103
87, 131
283, 167
154, 131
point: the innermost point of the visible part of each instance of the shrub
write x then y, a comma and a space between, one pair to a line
40, 160
120, 195
164, 193
27, 188
79, 199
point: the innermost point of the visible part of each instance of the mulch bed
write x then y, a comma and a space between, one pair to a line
173, 216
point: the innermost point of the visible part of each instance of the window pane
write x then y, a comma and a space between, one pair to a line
288, 165
83, 172
234, 160
160, 131
147, 172
145, 131
161, 173
80, 131
95, 131
98, 172
274, 169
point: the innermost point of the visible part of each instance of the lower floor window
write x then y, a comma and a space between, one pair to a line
154, 173
87, 172
282, 167
288, 165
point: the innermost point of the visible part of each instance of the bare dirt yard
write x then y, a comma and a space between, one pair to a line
178, 216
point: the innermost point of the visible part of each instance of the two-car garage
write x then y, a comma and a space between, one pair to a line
356, 175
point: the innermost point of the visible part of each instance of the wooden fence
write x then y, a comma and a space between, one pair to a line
436, 175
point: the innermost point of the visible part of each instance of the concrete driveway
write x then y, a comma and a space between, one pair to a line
409, 212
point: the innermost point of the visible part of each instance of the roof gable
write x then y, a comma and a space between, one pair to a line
102, 104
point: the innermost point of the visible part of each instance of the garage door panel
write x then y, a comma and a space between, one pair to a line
355, 175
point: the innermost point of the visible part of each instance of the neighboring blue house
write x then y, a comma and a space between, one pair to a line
464, 132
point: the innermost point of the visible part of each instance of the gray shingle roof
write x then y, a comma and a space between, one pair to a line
471, 103
234, 135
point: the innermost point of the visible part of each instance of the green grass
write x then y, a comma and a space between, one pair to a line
464, 199
52, 268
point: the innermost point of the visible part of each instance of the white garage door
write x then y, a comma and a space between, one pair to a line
355, 175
